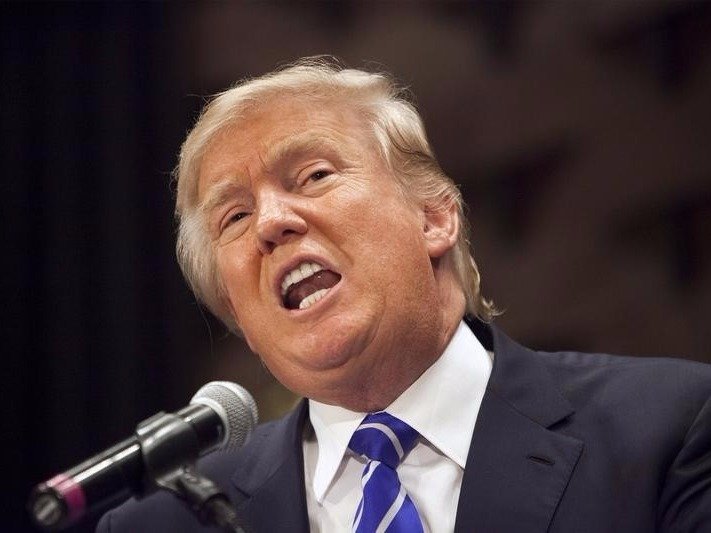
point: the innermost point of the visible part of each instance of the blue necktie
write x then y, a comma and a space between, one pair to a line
385, 507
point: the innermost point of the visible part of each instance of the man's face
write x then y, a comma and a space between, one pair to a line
326, 266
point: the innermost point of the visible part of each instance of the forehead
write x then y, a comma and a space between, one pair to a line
272, 132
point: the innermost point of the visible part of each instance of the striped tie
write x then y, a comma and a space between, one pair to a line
384, 440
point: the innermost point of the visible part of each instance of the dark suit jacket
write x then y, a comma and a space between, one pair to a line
564, 442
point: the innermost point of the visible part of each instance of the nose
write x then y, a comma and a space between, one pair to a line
277, 221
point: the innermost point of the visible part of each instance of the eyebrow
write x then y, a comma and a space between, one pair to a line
286, 149
296, 145
218, 194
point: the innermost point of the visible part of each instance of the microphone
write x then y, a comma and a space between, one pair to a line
220, 416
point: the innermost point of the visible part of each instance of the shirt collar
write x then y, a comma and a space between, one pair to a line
457, 379
333, 427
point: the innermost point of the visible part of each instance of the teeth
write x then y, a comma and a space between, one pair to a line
302, 271
306, 269
313, 298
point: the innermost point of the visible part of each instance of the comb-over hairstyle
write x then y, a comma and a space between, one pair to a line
397, 130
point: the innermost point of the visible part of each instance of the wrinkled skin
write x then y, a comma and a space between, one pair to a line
301, 181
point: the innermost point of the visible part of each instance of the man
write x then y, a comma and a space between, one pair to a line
316, 222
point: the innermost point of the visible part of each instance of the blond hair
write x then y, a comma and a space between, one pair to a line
398, 132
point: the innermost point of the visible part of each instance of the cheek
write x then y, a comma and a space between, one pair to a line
236, 273
374, 214
393, 231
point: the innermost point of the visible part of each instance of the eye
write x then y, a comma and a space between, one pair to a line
233, 218
319, 175
236, 217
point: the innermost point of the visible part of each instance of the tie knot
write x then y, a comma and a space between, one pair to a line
382, 437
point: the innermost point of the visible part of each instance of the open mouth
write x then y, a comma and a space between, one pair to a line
306, 284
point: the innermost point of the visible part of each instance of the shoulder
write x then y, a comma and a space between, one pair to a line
603, 386
658, 401
602, 375
646, 420
162, 511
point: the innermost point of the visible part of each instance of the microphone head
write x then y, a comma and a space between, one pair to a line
234, 405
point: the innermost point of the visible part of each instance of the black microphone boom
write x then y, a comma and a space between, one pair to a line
220, 415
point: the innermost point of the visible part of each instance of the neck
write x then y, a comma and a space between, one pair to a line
397, 375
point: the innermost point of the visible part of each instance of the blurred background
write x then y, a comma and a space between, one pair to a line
579, 132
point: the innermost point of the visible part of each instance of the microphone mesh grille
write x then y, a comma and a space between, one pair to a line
239, 410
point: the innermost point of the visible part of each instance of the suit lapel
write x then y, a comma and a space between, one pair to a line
270, 478
518, 468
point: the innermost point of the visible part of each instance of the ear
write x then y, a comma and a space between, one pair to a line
441, 230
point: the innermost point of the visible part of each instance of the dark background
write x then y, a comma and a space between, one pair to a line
579, 132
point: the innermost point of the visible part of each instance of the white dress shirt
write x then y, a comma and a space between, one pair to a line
442, 405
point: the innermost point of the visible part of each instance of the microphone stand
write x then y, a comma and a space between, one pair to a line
211, 506
207, 501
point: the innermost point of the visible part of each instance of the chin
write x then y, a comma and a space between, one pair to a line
332, 351
333, 338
